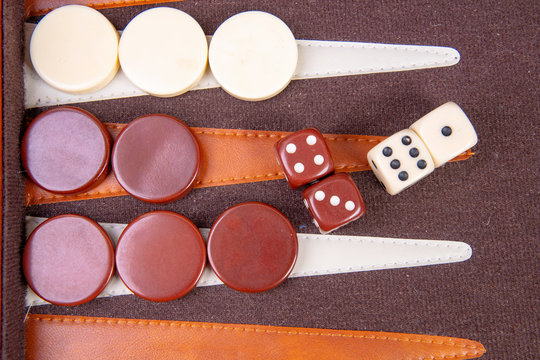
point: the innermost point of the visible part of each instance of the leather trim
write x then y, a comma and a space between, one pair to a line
69, 337
232, 157
41, 7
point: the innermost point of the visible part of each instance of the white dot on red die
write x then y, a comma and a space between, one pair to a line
299, 168
349, 205
318, 159
320, 195
311, 140
290, 148
335, 200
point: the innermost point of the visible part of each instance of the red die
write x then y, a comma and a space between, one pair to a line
304, 157
334, 202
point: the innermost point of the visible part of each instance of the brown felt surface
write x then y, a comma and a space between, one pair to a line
490, 201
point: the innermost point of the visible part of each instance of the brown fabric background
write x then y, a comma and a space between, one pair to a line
490, 201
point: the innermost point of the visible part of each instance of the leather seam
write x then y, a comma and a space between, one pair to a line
256, 329
338, 238
457, 357
209, 181
241, 178
124, 3
83, 196
247, 134
372, 69
261, 134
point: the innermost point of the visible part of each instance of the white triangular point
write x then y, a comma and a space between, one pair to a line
318, 255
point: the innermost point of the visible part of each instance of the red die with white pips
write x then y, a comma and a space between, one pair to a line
304, 157
334, 202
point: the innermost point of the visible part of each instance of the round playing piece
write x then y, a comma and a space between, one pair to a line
156, 158
66, 150
252, 247
163, 51
253, 55
75, 49
160, 256
68, 260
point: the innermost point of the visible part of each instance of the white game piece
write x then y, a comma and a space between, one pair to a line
163, 51
400, 161
446, 131
75, 49
253, 55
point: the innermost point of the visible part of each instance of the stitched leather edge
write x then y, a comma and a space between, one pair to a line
34, 9
479, 348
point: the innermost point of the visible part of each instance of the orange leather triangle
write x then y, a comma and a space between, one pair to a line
69, 337
232, 157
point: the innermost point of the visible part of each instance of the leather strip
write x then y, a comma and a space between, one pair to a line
69, 337
232, 157
41, 7
317, 255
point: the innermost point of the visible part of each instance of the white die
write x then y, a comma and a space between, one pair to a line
400, 161
446, 131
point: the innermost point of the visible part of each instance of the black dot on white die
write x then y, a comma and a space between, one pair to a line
414, 152
387, 151
395, 164
421, 164
403, 175
406, 140
446, 131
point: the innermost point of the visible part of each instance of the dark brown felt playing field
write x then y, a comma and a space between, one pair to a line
490, 201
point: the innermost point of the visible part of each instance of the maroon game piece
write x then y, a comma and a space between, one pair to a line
156, 158
66, 150
334, 202
304, 157
252, 247
68, 260
160, 256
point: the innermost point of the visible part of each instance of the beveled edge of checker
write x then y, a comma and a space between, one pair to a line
245, 96
75, 89
130, 76
111, 254
180, 193
203, 258
280, 215
104, 168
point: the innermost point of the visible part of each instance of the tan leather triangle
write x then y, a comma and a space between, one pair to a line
68, 337
232, 157
41, 7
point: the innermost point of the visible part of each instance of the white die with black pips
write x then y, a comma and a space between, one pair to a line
411, 154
